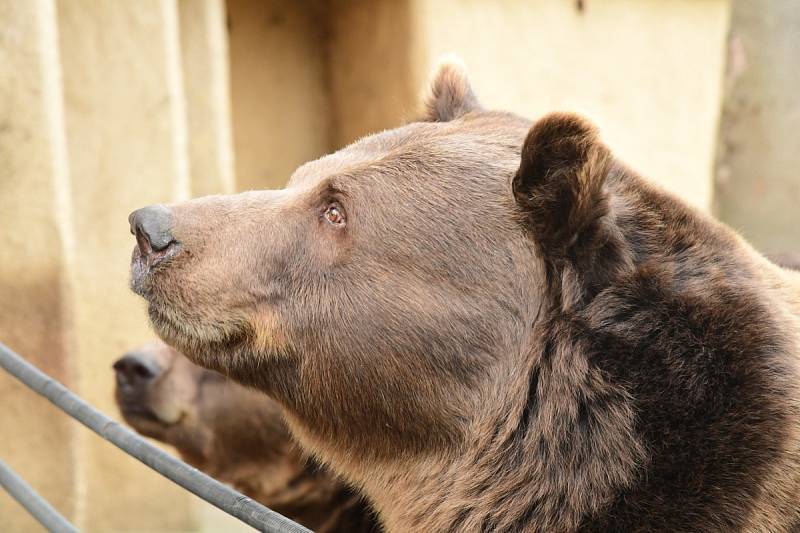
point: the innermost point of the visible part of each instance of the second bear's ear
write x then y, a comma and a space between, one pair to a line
450, 94
560, 185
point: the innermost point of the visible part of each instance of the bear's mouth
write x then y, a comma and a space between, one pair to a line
146, 419
136, 412
146, 264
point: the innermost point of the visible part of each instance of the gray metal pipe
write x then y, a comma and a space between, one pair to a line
43, 512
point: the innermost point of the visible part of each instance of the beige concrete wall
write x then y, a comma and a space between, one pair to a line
34, 274
126, 126
204, 55
758, 183
374, 83
649, 72
96, 119
278, 88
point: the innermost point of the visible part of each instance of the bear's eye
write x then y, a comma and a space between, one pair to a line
334, 215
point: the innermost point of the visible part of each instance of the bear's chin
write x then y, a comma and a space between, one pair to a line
210, 346
148, 425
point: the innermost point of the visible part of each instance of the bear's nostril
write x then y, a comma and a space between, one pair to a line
152, 226
135, 369
142, 371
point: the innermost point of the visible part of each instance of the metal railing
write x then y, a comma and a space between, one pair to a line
188, 477
30, 500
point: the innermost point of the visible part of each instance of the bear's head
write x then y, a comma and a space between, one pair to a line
215, 424
474, 308
391, 285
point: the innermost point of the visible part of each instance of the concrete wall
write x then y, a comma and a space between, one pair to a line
648, 72
309, 76
279, 88
35, 303
374, 81
757, 180
95, 122
206, 82
108, 106
125, 119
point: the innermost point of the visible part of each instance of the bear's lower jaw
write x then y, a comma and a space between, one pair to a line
163, 325
147, 424
143, 269
212, 347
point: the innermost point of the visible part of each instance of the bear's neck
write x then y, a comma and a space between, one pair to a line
526, 453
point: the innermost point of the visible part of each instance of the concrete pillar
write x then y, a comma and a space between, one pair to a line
128, 147
757, 182
278, 87
206, 79
34, 233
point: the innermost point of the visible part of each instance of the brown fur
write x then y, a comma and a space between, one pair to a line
512, 331
238, 436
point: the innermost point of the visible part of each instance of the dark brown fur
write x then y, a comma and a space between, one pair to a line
512, 331
239, 437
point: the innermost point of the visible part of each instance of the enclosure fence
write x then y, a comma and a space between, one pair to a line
188, 477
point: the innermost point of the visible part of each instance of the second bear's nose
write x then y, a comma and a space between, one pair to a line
152, 226
135, 371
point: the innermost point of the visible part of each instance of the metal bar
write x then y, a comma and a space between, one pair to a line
43, 512
206, 487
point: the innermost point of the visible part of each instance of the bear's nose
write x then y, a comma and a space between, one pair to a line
135, 371
152, 226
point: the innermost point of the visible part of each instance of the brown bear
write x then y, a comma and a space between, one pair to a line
489, 324
234, 434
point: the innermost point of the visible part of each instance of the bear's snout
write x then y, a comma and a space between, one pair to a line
135, 371
135, 374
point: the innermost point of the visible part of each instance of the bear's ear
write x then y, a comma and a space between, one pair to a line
450, 94
560, 185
